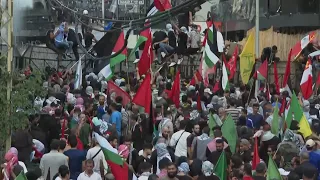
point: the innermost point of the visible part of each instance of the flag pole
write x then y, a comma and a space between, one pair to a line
81, 58
257, 28
250, 92
127, 65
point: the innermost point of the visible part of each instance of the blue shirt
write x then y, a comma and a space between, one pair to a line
116, 119
100, 112
60, 36
314, 159
256, 119
76, 157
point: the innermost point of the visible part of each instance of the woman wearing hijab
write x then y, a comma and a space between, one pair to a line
159, 153
183, 171
207, 172
171, 36
182, 41
83, 131
15, 152
268, 139
11, 168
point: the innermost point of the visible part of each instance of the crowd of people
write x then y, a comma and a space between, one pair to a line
205, 133
59, 139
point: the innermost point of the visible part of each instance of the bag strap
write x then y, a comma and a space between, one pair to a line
97, 153
179, 139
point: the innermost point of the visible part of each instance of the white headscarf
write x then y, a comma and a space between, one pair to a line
169, 27
184, 29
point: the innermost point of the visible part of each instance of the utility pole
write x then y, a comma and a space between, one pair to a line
257, 28
7, 42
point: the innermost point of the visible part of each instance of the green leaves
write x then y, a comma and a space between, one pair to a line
14, 113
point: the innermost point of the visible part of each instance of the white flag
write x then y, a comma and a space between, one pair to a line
78, 79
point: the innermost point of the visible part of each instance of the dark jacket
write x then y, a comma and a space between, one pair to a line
153, 160
305, 165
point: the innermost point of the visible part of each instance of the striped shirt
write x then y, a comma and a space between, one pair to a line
234, 112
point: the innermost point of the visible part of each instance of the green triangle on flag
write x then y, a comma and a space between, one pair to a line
21, 176
273, 172
262, 71
221, 167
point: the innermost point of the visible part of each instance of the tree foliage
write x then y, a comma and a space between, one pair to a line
14, 112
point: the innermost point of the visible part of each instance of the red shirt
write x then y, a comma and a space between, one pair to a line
245, 177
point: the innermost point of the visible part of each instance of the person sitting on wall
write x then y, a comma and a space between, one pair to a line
160, 43
72, 37
50, 36
60, 39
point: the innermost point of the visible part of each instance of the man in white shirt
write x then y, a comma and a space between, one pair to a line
51, 161
179, 140
97, 156
89, 174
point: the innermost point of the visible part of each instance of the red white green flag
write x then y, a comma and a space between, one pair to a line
262, 72
143, 37
108, 70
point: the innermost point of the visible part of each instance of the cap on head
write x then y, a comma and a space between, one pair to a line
310, 143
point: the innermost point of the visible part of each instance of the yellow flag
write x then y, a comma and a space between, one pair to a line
247, 59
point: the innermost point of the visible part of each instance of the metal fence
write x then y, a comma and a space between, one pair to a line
40, 57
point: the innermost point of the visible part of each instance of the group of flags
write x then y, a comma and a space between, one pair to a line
289, 110
213, 49
145, 36
229, 132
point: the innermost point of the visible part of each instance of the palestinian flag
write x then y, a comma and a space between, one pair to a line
155, 7
262, 72
158, 6
225, 76
118, 167
143, 37
110, 153
213, 48
295, 113
108, 70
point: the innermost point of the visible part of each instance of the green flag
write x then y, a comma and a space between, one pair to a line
221, 167
229, 131
275, 120
212, 124
21, 176
295, 113
273, 172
